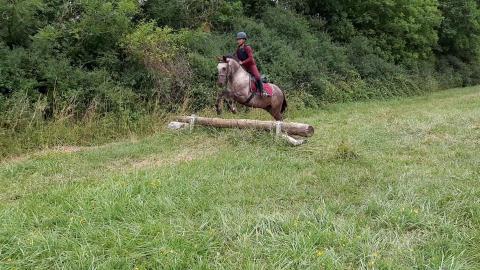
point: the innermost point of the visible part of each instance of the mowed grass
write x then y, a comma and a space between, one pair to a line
381, 185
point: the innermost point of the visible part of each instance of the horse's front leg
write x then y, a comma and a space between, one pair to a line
219, 103
231, 103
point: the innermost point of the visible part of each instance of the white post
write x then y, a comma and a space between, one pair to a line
193, 117
278, 128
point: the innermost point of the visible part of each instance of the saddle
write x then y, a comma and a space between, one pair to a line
266, 85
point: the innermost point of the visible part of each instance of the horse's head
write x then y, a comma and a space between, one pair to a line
227, 66
223, 70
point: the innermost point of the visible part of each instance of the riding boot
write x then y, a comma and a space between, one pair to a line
260, 89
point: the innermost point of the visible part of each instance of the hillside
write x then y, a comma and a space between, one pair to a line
382, 184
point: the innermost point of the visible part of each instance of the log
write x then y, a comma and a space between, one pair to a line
177, 125
293, 141
298, 129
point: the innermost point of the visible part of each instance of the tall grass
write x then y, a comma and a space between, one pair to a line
35, 134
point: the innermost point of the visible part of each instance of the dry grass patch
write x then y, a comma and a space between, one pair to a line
67, 149
187, 153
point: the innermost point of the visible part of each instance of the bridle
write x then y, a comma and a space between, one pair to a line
227, 74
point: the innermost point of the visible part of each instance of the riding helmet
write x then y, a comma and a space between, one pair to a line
241, 35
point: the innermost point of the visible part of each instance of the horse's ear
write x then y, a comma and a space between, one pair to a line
224, 59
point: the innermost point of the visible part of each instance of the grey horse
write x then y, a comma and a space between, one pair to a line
237, 81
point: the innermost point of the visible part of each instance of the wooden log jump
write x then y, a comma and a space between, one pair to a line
298, 129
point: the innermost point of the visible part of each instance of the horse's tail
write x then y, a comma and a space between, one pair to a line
284, 104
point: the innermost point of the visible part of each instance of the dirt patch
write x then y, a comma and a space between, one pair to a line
61, 149
182, 156
57, 149
475, 125
194, 150
67, 149
54, 150
14, 160
438, 138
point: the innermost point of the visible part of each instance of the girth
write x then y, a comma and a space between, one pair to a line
252, 95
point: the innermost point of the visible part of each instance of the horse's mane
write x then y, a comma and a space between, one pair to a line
226, 57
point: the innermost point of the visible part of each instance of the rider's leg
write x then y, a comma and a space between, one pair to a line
258, 80
260, 87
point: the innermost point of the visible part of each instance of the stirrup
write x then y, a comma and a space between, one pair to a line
262, 93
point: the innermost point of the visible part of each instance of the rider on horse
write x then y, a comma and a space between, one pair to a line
245, 55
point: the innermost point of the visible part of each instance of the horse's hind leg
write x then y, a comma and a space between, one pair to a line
276, 104
276, 111
277, 114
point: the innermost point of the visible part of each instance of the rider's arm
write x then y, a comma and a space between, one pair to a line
249, 60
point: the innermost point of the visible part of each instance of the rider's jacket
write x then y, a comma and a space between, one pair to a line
245, 54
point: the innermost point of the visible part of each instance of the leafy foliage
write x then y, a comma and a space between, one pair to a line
74, 59
405, 30
460, 29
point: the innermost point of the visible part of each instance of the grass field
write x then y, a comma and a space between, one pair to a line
382, 185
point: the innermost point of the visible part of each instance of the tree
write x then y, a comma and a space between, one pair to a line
460, 30
255, 8
19, 21
405, 29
